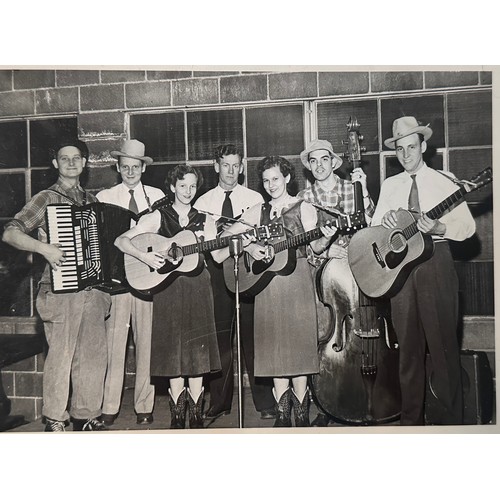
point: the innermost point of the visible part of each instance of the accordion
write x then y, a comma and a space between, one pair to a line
86, 235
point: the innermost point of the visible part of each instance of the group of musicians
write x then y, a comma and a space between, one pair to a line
185, 331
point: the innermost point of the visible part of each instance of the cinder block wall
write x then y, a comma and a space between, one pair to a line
101, 99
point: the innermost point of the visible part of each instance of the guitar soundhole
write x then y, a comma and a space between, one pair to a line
397, 242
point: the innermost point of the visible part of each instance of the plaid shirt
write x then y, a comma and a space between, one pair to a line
32, 215
341, 198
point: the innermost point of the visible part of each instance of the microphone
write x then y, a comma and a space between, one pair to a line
235, 246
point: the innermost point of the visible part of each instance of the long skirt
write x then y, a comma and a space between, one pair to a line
184, 341
286, 330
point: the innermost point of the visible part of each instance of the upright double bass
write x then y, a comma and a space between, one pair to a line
358, 381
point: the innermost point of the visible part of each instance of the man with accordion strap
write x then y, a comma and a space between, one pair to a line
74, 323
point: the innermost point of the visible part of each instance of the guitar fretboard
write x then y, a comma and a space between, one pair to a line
437, 211
297, 240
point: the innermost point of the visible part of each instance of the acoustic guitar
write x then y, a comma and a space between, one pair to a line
182, 256
381, 259
255, 275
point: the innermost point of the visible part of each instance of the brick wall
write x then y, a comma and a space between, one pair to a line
22, 381
101, 99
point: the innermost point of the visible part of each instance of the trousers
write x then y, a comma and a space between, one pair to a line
74, 325
425, 313
128, 310
222, 383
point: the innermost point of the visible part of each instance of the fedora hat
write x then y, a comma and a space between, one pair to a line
320, 144
405, 126
133, 149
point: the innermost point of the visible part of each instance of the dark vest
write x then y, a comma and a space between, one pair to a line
169, 225
290, 219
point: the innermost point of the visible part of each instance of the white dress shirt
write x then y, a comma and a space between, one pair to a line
241, 198
433, 188
120, 195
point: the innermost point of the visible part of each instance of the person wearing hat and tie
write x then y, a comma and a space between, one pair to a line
330, 191
127, 309
425, 310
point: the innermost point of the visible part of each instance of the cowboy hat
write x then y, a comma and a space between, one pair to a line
133, 149
405, 126
320, 144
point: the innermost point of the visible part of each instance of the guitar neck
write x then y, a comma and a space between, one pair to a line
207, 246
438, 210
297, 240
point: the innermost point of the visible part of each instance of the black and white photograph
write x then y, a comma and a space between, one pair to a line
236, 248
247, 250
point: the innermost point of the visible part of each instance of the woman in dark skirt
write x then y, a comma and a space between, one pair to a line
285, 311
184, 343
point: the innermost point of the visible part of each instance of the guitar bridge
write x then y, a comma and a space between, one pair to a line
378, 256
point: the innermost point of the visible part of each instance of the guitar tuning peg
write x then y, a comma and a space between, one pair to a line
362, 149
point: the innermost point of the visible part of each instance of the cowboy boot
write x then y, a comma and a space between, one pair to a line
195, 410
283, 410
301, 409
177, 410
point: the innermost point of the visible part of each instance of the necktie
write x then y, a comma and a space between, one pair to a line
227, 210
132, 204
413, 204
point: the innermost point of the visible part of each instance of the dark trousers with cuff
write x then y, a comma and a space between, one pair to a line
221, 384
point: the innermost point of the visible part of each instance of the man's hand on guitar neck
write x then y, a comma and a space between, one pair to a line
430, 226
424, 223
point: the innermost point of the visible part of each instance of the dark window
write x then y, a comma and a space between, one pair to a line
469, 119
13, 144
334, 116
426, 109
275, 130
162, 134
44, 135
209, 129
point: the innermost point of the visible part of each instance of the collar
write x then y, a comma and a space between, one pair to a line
422, 171
320, 191
222, 191
66, 187
139, 187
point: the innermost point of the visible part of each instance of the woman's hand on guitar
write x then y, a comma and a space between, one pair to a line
257, 252
336, 252
153, 259
328, 231
389, 220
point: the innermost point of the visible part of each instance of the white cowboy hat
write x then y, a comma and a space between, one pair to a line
133, 149
405, 126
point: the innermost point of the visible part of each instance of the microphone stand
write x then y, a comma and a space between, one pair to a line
236, 249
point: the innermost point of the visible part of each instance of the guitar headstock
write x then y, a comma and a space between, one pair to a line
347, 223
274, 230
481, 179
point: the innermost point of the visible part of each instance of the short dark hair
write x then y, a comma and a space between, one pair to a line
225, 150
71, 141
286, 168
179, 172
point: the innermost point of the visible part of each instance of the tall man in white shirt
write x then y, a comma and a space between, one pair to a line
127, 309
425, 310
231, 199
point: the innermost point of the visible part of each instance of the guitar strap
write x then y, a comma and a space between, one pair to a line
453, 179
